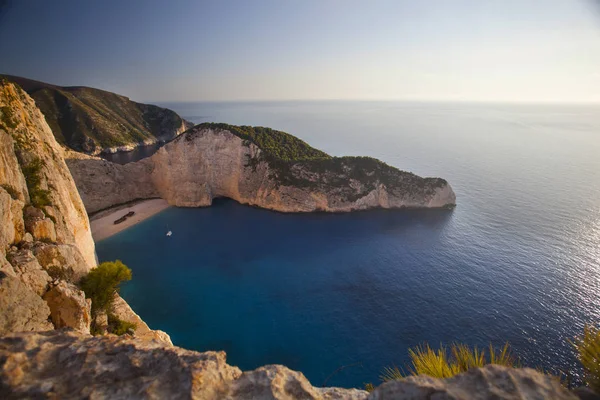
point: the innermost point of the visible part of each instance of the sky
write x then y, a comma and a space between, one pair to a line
190, 50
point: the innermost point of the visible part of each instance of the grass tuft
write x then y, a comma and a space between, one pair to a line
588, 353
437, 363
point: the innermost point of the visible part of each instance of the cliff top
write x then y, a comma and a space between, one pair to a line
278, 144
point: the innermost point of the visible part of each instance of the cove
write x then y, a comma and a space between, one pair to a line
314, 292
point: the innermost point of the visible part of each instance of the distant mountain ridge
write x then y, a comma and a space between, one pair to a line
93, 120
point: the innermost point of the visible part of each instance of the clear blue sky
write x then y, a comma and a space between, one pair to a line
507, 50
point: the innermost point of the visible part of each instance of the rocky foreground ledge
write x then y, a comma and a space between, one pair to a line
255, 166
65, 364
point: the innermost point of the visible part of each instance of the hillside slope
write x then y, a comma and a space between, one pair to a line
93, 120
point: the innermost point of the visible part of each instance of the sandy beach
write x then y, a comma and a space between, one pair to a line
103, 225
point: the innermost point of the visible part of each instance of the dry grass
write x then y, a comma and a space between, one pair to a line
437, 363
588, 353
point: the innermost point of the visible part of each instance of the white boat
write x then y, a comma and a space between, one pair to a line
169, 233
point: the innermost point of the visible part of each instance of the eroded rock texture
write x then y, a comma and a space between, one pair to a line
64, 364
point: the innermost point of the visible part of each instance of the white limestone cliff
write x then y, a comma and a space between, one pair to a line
205, 163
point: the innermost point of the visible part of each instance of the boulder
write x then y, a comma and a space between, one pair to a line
41, 229
62, 261
29, 271
279, 382
69, 307
21, 309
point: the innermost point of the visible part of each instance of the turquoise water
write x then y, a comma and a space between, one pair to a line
517, 260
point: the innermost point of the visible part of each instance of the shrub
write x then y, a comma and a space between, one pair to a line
119, 327
437, 364
280, 145
102, 284
588, 353
33, 176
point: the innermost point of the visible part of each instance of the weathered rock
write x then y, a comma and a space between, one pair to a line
5, 267
104, 184
124, 312
21, 309
11, 177
69, 307
28, 237
205, 163
12, 227
490, 382
29, 271
37, 145
63, 261
279, 382
41, 229
31, 212
66, 364
69, 365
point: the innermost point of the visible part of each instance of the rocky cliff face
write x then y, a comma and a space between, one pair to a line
208, 162
93, 121
46, 245
34, 172
62, 364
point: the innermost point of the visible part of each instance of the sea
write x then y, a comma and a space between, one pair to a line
340, 297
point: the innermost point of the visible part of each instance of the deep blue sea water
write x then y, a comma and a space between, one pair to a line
517, 260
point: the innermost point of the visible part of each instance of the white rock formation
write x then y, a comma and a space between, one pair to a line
205, 163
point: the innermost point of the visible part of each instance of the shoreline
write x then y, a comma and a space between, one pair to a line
102, 223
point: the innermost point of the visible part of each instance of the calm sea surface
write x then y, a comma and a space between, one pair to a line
518, 259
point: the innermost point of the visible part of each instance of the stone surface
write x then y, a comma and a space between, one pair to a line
21, 309
5, 267
12, 227
205, 163
103, 184
29, 271
41, 229
35, 141
67, 364
69, 307
490, 382
124, 312
63, 261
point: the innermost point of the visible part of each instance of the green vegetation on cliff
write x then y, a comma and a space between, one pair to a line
277, 144
33, 176
89, 120
293, 162
102, 285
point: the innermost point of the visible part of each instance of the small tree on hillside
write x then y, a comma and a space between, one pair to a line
102, 284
